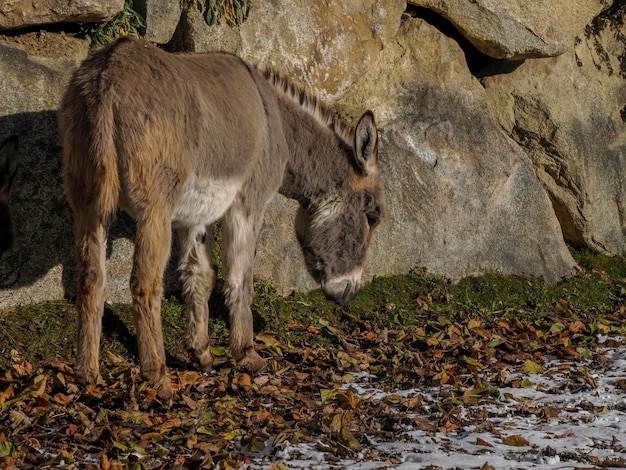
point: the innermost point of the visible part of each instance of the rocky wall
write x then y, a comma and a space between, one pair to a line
502, 128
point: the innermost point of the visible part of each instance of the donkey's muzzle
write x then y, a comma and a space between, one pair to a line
341, 290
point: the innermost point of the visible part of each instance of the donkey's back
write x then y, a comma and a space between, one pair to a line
144, 123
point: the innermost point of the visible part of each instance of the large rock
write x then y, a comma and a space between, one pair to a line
161, 16
517, 29
326, 45
462, 197
15, 14
568, 114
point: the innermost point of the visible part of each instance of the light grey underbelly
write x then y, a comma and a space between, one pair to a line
204, 201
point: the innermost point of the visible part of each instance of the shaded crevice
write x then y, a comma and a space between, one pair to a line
69, 28
570, 226
180, 40
558, 182
479, 64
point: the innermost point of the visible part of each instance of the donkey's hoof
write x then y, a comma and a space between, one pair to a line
163, 389
85, 376
251, 362
205, 359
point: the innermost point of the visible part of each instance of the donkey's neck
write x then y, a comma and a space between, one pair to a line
315, 168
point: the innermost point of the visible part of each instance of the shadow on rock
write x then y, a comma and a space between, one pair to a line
42, 218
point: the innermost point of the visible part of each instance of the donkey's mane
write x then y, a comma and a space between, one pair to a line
310, 103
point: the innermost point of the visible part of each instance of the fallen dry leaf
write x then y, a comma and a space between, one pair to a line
515, 440
482, 442
22, 369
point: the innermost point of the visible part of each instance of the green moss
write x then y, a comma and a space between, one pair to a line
38, 333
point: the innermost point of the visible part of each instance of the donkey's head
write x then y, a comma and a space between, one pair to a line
8, 167
335, 232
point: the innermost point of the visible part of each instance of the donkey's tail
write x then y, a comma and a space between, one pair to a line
86, 124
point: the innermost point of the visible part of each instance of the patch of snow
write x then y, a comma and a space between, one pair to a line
586, 426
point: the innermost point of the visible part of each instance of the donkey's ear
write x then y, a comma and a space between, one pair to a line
8, 158
366, 144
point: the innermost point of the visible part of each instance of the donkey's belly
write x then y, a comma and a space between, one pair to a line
204, 201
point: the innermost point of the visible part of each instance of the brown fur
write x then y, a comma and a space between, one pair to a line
8, 168
180, 140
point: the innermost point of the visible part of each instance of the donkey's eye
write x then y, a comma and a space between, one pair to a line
372, 220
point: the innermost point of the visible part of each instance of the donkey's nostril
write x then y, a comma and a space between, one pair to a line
347, 290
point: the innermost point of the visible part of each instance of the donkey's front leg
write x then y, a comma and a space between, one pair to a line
240, 233
198, 279
152, 247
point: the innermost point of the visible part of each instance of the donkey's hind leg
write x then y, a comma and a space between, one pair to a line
90, 253
240, 234
198, 279
152, 248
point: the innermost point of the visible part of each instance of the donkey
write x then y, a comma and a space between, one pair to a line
181, 140
8, 168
